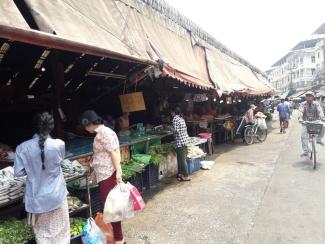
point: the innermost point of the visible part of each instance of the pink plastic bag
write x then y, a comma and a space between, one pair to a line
137, 199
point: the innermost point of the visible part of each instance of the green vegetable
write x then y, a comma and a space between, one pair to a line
157, 152
76, 226
15, 231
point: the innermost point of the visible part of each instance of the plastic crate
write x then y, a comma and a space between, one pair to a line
151, 176
314, 128
193, 164
137, 181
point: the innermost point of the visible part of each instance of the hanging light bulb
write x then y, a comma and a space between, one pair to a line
214, 99
221, 101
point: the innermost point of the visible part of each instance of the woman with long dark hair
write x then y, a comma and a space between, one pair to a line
45, 195
106, 160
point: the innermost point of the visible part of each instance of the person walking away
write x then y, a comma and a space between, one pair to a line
46, 192
286, 102
106, 163
283, 110
182, 139
310, 111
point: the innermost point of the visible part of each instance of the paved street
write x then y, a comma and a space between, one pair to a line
264, 193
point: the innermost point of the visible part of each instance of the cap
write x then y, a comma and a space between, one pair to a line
309, 93
89, 117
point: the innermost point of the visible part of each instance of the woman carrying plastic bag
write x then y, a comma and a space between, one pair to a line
119, 204
106, 161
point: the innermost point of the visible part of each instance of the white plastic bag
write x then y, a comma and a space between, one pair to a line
91, 234
262, 124
118, 205
207, 164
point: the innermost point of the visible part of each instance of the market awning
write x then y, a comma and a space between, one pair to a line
182, 60
298, 94
230, 76
10, 15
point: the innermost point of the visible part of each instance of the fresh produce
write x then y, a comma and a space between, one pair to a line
157, 152
76, 226
74, 203
194, 152
130, 168
15, 231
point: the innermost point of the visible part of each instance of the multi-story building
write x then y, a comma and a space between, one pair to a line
303, 66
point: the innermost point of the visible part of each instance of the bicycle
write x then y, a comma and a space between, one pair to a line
252, 132
313, 129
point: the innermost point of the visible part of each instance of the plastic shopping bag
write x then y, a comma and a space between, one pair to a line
137, 199
107, 229
118, 205
262, 124
91, 234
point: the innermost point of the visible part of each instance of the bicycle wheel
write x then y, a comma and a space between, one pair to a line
261, 135
314, 151
249, 135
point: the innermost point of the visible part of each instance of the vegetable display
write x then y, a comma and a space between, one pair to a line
74, 203
157, 152
194, 152
131, 168
76, 226
15, 231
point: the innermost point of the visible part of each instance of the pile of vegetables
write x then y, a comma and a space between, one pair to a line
157, 152
74, 203
76, 226
131, 168
194, 152
15, 231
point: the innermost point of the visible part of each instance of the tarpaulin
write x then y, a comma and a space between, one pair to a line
230, 76
182, 61
94, 22
10, 15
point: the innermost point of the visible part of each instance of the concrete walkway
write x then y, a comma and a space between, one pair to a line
264, 193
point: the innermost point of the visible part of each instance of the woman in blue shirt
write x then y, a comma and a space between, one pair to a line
45, 194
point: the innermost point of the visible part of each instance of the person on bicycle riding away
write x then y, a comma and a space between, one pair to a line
311, 111
283, 110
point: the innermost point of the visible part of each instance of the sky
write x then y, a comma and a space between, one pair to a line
261, 31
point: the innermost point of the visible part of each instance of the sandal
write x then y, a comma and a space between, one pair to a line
179, 177
185, 178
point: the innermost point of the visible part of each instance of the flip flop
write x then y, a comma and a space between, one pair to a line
184, 179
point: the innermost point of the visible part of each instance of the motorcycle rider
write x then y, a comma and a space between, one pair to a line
310, 110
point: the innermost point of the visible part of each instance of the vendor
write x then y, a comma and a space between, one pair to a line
106, 161
123, 124
45, 193
182, 139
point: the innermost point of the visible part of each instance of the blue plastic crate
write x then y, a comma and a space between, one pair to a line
193, 164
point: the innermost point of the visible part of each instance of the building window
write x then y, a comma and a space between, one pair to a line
313, 59
312, 72
301, 72
301, 60
318, 54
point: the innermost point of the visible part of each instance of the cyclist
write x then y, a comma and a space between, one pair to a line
310, 110
248, 118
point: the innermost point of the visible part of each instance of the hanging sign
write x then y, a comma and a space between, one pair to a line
132, 102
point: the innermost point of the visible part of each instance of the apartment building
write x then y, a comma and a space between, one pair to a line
302, 67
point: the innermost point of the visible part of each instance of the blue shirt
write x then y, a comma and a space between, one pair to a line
45, 189
283, 110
